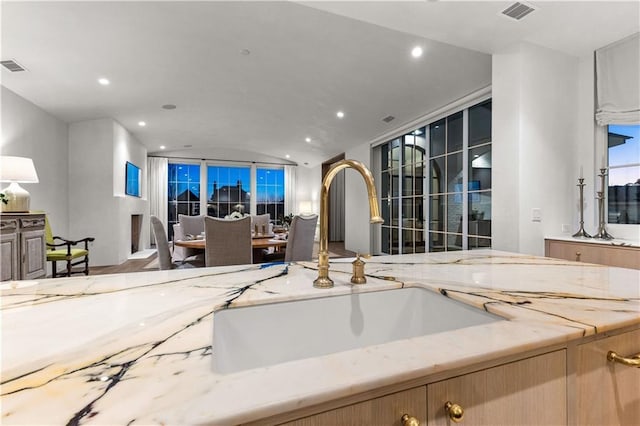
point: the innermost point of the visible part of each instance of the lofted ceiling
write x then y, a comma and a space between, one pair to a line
258, 78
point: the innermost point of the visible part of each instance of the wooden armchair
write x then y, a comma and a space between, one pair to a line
68, 254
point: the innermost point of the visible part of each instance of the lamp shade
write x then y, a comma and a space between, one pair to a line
17, 169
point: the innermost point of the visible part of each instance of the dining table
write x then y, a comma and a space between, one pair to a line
258, 242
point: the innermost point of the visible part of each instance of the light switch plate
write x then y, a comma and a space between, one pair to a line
536, 215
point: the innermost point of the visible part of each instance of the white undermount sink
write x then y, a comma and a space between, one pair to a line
268, 334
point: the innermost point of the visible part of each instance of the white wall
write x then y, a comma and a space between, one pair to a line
535, 135
357, 227
309, 181
98, 151
28, 131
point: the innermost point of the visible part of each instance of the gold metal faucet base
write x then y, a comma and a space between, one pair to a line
323, 282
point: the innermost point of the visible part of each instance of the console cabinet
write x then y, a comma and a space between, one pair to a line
22, 246
592, 252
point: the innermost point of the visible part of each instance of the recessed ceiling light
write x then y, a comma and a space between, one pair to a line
288, 156
307, 140
168, 106
162, 147
340, 114
416, 52
103, 81
141, 123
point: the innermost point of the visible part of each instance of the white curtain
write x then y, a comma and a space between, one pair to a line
157, 183
290, 201
618, 82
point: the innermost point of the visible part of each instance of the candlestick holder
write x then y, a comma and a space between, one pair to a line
602, 231
581, 232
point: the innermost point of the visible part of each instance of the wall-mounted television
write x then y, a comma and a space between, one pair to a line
132, 179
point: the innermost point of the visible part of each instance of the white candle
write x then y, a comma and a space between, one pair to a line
581, 176
604, 161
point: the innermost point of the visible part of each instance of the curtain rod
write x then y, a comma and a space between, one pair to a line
222, 160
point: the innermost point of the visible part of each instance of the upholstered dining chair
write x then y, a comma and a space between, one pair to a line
63, 250
299, 241
261, 222
227, 241
188, 227
164, 252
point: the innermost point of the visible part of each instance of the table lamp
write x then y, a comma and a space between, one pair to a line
17, 170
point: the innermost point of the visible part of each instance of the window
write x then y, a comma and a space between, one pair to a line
184, 192
270, 192
624, 174
228, 190
439, 174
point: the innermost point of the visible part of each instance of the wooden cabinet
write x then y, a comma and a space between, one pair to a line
608, 393
386, 410
592, 252
526, 392
22, 246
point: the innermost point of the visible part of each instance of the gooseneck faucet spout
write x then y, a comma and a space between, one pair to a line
323, 280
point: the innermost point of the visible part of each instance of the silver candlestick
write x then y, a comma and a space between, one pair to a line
581, 232
602, 231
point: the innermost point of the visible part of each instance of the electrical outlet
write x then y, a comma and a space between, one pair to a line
536, 215
566, 229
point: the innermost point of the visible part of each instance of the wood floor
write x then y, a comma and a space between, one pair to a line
336, 248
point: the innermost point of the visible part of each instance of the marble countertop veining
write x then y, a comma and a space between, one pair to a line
137, 348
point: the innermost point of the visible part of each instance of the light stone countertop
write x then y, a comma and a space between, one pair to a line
137, 348
615, 242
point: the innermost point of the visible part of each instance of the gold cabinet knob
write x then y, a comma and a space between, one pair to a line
456, 413
632, 361
578, 254
408, 420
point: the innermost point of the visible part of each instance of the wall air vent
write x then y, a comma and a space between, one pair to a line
388, 119
12, 66
518, 11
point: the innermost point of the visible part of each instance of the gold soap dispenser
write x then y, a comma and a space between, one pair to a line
358, 271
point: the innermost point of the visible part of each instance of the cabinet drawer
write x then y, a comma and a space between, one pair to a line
608, 393
386, 410
623, 257
526, 392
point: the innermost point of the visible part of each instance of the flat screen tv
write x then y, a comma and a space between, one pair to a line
132, 177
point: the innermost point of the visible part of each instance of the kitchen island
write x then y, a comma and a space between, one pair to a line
137, 348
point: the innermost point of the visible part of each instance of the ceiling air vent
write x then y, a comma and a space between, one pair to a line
12, 66
388, 119
518, 11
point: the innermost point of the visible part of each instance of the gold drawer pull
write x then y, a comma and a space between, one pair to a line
408, 420
633, 361
578, 254
456, 413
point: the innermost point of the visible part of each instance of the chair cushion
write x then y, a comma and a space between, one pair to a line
62, 254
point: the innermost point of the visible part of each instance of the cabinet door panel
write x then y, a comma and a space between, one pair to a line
383, 411
9, 253
527, 392
623, 257
33, 255
608, 393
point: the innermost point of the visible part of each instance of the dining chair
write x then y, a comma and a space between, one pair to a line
227, 241
299, 241
261, 222
70, 254
188, 227
164, 252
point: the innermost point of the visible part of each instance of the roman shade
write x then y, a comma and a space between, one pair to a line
617, 82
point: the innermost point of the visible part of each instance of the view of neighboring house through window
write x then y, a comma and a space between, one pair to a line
270, 192
455, 154
228, 190
624, 174
184, 192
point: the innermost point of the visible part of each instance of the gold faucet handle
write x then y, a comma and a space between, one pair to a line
358, 271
